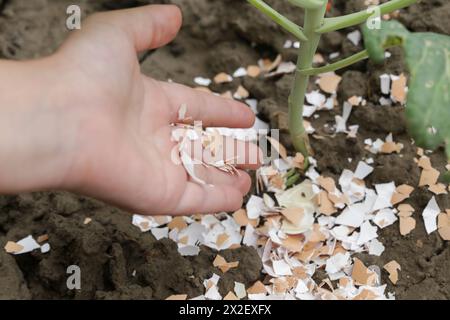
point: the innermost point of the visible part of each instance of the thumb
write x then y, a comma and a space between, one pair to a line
149, 27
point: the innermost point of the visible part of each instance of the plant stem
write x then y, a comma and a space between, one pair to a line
278, 18
314, 25
313, 20
341, 64
307, 4
337, 65
333, 24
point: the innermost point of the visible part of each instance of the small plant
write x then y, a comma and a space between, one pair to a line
427, 54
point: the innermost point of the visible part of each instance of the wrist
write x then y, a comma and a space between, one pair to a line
36, 140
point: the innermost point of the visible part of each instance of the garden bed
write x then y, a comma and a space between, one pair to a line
118, 260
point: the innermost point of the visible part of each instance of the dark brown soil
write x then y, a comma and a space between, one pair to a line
217, 36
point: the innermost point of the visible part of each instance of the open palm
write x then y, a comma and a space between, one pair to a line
123, 119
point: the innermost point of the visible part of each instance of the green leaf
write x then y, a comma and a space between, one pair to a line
427, 56
376, 40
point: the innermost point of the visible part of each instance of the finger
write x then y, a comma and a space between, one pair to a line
213, 176
149, 27
212, 110
208, 199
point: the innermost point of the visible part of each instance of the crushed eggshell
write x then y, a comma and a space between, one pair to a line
13, 247
362, 170
318, 58
281, 268
355, 101
230, 296
429, 177
222, 239
392, 267
375, 247
241, 218
239, 290
326, 206
300, 196
253, 71
401, 193
160, 233
240, 72
45, 248
341, 121
26, 245
256, 288
329, 82
178, 223
327, 183
399, 89
391, 147
424, 162
430, 214
42, 238
404, 207
144, 223
223, 265
316, 99
283, 68
444, 225
384, 217
438, 188
362, 275
202, 81
279, 148
213, 293
355, 37
385, 81
241, 93
294, 215
223, 78
254, 207
407, 224
177, 297
267, 65
298, 161
367, 233
337, 262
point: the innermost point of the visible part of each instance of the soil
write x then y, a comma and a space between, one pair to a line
217, 36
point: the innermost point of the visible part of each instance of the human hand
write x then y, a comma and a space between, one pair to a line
120, 119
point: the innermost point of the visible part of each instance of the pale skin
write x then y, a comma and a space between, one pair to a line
87, 120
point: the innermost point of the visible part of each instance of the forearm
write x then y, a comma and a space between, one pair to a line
33, 126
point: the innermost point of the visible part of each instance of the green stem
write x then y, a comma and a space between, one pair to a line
337, 65
307, 4
333, 24
278, 18
313, 19
341, 64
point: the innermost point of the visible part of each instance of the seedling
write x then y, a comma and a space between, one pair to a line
427, 54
